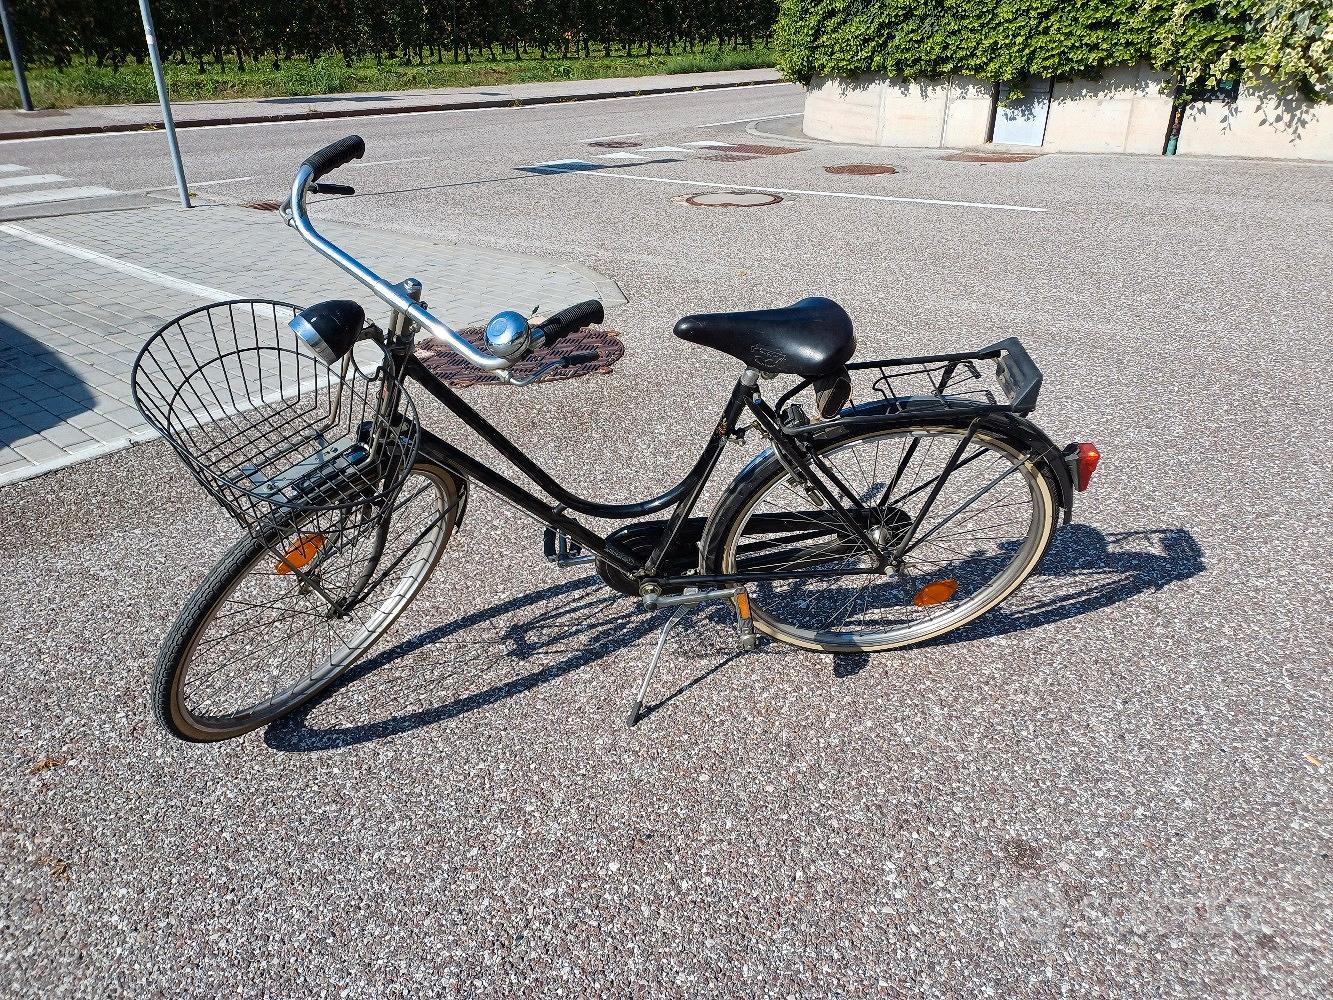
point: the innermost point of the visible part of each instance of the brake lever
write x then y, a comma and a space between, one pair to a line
564, 362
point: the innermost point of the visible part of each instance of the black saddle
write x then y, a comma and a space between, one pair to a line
811, 338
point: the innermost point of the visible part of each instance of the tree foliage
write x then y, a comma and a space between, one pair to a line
217, 31
1202, 42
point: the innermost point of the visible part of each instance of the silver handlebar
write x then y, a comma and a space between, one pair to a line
392, 295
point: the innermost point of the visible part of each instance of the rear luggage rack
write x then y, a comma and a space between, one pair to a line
1001, 378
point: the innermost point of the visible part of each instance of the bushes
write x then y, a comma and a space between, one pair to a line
59, 33
1202, 42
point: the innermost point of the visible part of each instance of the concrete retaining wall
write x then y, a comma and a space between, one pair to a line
1262, 122
1126, 111
879, 111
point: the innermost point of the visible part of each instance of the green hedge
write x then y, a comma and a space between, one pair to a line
1202, 43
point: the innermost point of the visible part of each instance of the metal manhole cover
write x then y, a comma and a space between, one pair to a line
729, 157
263, 206
992, 157
615, 144
861, 169
604, 345
733, 199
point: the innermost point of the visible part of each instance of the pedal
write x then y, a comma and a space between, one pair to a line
745, 637
562, 550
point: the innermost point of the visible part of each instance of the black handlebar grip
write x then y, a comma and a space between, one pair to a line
576, 317
335, 155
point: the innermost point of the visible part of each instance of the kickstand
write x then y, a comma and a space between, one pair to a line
636, 712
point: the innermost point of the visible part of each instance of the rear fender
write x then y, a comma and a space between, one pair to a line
1025, 435
1021, 431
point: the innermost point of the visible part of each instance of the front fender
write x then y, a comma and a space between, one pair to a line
433, 451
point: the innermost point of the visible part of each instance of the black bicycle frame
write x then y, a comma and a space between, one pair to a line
684, 496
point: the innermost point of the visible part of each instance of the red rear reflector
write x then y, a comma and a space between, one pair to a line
1088, 457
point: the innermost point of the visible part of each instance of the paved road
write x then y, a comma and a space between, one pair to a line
1116, 787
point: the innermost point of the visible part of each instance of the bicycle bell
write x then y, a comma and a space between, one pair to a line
508, 334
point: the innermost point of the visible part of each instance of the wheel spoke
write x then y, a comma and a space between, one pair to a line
983, 533
268, 642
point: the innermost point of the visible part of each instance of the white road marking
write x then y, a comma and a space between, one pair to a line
556, 169
11, 168
193, 185
6, 182
603, 138
157, 131
744, 121
709, 142
663, 149
56, 194
115, 263
622, 156
380, 163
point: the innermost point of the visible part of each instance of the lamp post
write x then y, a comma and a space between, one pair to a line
167, 122
15, 57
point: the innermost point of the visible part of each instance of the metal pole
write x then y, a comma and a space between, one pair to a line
15, 57
168, 123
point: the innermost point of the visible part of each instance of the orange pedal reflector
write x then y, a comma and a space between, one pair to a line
743, 604
300, 554
935, 593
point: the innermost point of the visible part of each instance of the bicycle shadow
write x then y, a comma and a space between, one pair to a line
563, 636
579, 622
1086, 570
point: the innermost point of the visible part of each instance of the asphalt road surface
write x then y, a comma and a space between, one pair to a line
1117, 786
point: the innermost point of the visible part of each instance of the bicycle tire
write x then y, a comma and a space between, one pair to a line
728, 528
171, 671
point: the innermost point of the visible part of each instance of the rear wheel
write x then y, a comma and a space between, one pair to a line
984, 534
255, 640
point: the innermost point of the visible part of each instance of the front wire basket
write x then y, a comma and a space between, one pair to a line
290, 447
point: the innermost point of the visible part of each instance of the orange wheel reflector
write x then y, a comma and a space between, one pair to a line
743, 604
300, 554
935, 593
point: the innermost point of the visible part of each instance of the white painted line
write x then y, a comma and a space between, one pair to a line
744, 121
772, 190
622, 156
115, 263
710, 142
11, 168
157, 131
58, 194
603, 138
6, 182
381, 163
663, 149
200, 184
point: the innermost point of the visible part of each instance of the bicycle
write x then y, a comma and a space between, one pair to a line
895, 500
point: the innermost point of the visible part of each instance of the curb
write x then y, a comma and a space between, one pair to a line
305, 116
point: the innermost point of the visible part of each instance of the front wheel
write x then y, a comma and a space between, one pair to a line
256, 640
985, 532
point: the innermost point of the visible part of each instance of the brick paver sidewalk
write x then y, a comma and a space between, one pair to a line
79, 294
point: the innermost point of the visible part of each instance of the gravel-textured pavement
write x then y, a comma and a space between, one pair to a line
1117, 786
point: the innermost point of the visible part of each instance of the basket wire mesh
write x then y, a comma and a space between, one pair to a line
305, 457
